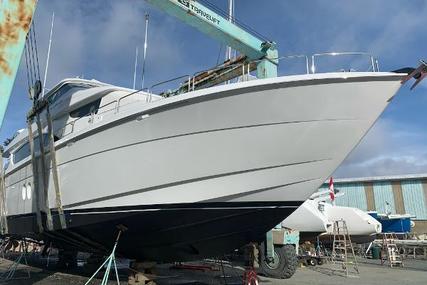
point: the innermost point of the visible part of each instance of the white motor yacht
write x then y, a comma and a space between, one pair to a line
189, 176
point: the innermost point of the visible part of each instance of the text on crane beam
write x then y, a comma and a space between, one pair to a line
199, 11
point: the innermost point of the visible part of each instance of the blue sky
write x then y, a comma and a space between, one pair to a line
97, 39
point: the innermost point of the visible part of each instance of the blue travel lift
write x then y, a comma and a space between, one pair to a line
278, 256
15, 21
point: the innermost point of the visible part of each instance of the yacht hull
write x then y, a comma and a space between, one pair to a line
164, 234
269, 143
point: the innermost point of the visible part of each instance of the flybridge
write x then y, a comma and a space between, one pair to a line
199, 11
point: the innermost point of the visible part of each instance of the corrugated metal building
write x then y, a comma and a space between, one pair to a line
404, 194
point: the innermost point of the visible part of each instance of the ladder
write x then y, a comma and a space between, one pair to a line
342, 248
390, 251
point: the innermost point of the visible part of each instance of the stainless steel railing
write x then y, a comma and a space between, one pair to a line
310, 66
372, 60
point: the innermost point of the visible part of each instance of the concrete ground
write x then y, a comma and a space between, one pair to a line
371, 272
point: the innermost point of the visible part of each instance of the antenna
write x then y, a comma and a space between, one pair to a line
228, 51
48, 54
135, 68
145, 50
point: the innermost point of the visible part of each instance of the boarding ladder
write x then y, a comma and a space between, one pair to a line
390, 252
342, 248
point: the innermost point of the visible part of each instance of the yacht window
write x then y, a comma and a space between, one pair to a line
86, 110
24, 151
67, 88
21, 153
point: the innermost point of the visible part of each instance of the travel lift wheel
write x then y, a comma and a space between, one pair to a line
284, 263
311, 262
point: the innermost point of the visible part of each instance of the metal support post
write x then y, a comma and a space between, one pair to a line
267, 68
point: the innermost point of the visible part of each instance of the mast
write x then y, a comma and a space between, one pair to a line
48, 54
135, 68
145, 50
228, 51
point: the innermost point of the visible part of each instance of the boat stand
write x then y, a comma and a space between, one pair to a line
109, 263
250, 276
9, 274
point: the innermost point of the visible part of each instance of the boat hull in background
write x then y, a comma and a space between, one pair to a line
315, 219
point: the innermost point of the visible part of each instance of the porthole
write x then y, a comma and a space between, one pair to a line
24, 192
29, 191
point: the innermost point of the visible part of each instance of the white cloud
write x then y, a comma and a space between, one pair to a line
389, 148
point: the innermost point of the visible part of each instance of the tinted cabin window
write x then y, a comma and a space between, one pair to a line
24, 151
86, 110
65, 89
21, 153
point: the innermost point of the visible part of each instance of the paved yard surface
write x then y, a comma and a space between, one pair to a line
414, 272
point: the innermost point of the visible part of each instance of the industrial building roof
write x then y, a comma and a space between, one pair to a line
381, 178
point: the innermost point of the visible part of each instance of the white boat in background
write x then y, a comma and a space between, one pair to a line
361, 226
315, 217
309, 220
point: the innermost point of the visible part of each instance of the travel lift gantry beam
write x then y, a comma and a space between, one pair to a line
15, 22
212, 24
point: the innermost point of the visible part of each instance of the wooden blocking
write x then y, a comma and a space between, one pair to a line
139, 279
142, 273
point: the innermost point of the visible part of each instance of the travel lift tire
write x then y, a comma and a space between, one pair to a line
285, 262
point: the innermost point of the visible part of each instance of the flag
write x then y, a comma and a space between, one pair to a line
331, 189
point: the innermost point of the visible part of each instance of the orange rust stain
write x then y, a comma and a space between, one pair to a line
16, 21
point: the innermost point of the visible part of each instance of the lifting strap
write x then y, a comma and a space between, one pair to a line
3, 218
44, 174
35, 176
55, 173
